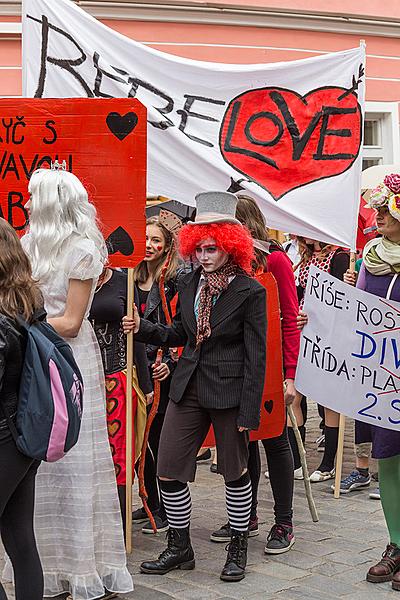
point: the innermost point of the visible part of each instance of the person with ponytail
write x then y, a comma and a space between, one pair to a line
19, 297
218, 380
161, 258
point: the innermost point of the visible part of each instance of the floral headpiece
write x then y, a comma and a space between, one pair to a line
387, 194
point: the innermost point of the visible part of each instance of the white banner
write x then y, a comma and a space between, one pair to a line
288, 133
350, 351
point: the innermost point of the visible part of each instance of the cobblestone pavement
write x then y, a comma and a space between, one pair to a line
329, 559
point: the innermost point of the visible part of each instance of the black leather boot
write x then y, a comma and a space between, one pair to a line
237, 557
178, 554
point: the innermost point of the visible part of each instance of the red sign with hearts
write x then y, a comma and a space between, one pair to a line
103, 142
273, 413
282, 140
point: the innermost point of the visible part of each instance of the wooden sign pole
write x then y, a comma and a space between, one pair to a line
342, 419
129, 415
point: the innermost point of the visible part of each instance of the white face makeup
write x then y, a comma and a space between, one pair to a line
155, 244
387, 225
210, 256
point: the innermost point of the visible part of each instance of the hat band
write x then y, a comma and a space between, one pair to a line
212, 216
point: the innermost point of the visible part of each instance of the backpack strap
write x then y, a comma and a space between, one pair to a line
39, 315
10, 422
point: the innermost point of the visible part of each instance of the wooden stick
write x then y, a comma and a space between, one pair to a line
339, 456
342, 420
303, 460
129, 415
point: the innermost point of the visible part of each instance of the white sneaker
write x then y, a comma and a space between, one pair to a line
298, 473
319, 476
266, 474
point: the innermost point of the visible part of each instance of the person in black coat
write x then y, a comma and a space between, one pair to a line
219, 378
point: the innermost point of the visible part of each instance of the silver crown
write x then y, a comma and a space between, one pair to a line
56, 166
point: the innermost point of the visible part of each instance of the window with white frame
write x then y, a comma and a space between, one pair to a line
381, 134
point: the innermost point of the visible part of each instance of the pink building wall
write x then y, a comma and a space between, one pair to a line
251, 44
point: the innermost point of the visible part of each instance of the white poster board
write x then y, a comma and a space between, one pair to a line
349, 357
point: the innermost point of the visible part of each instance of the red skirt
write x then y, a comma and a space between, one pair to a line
116, 422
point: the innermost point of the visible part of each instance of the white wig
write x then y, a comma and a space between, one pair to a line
59, 208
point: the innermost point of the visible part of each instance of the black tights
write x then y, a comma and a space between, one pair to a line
280, 467
150, 468
17, 497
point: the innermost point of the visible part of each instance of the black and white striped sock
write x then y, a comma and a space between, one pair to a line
238, 502
177, 503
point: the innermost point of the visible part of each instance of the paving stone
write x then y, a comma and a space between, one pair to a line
278, 570
333, 585
328, 561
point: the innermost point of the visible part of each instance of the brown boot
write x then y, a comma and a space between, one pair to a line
386, 567
396, 581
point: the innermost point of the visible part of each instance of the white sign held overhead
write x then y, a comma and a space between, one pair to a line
349, 357
289, 133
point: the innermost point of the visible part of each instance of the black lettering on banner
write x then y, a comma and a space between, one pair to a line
328, 111
50, 126
229, 147
135, 83
99, 77
15, 139
44, 160
3, 161
361, 310
7, 126
17, 204
63, 63
11, 167
299, 141
264, 115
28, 171
186, 113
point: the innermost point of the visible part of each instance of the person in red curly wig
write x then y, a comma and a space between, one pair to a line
219, 379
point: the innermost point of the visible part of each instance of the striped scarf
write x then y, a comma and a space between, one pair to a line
215, 284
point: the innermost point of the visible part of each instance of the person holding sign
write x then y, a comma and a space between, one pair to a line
335, 261
19, 297
379, 275
219, 379
77, 516
108, 308
160, 254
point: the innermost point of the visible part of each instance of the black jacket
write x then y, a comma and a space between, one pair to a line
12, 352
154, 313
230, 365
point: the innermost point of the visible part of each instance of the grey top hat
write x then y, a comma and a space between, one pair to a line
215, 207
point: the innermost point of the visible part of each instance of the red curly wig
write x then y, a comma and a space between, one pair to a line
233, 239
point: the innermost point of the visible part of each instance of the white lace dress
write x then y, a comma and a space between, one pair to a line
78, 522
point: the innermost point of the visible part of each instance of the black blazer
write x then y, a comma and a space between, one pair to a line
230, 365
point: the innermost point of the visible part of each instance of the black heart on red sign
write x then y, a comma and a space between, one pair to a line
282, 140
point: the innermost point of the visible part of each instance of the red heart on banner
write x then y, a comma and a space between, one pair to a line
282, 140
